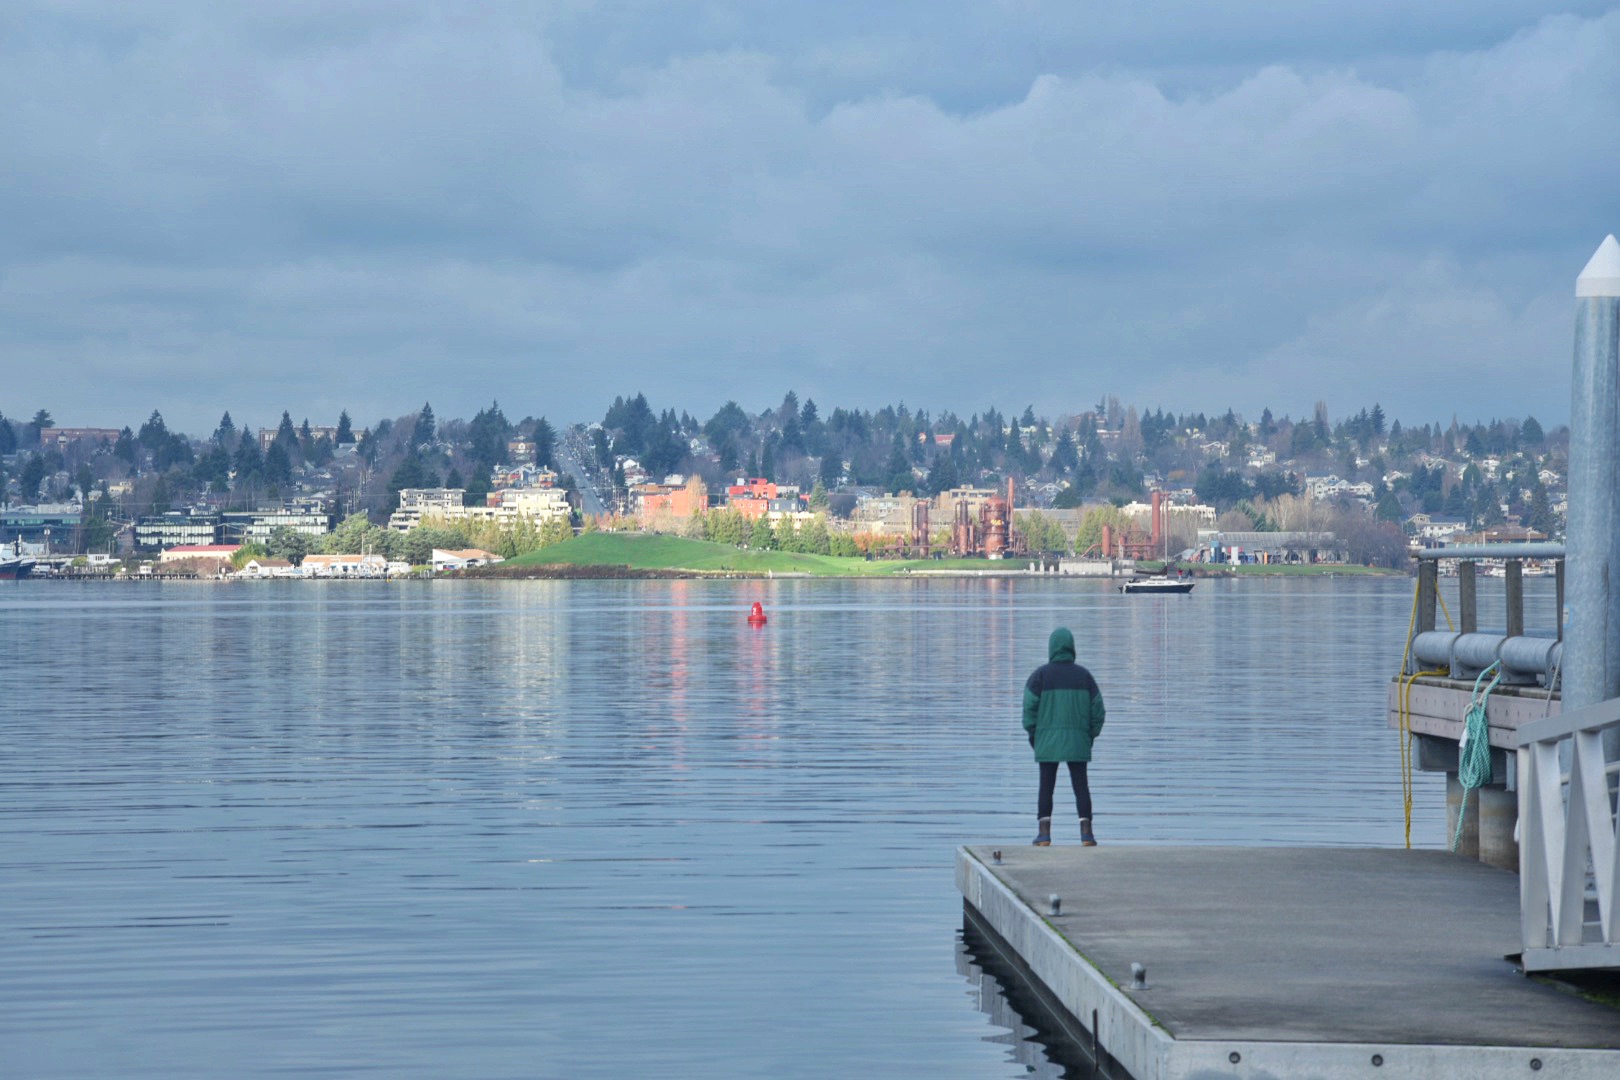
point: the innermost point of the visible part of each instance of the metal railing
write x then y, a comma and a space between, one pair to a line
1569, 876
1427, 646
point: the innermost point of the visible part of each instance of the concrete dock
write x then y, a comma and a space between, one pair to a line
1287, 962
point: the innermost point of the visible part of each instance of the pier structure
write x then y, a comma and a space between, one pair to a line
1428, 700
1306, 963
1177, 963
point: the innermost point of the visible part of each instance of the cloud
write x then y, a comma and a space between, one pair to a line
365, 205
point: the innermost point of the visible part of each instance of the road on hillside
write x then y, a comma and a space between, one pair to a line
568, 461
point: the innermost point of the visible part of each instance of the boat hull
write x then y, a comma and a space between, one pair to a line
1150, 587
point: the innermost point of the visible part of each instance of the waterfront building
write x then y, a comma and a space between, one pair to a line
39, 524
680, 503
267, 568
177, 528
417, 503
462, 559
218, 554
346, 566
255, 526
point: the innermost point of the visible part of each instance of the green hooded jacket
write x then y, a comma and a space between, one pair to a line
1063, 709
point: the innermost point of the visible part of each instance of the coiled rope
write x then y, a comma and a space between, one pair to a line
1474, 748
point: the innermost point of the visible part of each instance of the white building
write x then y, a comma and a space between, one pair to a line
417, 503
462, 559
346, 566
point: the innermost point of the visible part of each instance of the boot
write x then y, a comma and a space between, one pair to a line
1043, 838
1087, 838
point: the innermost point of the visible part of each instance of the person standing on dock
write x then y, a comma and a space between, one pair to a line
1063, 714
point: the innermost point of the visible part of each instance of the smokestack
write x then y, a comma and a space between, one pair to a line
1592, 650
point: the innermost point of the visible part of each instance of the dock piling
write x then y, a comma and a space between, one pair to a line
1592, 663
1467, 597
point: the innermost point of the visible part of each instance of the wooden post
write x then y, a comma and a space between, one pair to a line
1467, 598
1428, 582
1515, 597
1558, 569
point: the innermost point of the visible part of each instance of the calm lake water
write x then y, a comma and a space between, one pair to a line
605, 828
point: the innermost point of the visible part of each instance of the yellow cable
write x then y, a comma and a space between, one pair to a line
1440, 596
1404, 705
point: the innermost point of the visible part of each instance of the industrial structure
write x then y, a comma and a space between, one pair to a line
990, 534
1129, 543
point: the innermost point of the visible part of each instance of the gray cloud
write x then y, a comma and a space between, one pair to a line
368, 205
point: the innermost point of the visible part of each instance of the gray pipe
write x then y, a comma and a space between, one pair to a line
1432, 649
1592, 658
1473, 653
1523, 658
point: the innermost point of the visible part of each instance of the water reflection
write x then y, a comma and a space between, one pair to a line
606, 828
1025, 1029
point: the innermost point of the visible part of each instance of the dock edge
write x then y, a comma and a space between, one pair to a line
1133, 1038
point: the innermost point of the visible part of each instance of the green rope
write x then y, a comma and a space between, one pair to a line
1474, 748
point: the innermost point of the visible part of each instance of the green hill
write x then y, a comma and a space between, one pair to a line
646, 551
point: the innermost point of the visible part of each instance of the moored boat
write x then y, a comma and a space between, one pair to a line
1157, 585
13, 563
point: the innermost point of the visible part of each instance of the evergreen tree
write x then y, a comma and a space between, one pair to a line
487, 436
32, 475
249, 465
345, 429
942, 474
154, 433
1065, 458
545, 442
1389, 508
762, 537
8, 436
160, 496
277, 465
225, 433
898, 468
425, 430
286, 434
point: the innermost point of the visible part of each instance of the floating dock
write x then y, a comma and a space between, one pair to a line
1285, 962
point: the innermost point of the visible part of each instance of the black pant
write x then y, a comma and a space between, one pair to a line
1077, 777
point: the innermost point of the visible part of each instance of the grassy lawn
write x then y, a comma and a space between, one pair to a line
644, 551
1258, 569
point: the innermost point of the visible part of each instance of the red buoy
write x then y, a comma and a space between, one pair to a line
756, 617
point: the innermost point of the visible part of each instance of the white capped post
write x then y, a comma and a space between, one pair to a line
1592, 657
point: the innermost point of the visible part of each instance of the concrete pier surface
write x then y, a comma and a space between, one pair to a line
1288, 962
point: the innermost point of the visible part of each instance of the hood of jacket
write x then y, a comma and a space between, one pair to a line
1060, 646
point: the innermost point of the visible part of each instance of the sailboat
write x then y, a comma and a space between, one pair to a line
1160, 584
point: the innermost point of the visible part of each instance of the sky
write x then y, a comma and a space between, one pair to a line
314, 205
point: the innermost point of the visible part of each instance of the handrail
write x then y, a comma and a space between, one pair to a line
1536, 550
1565, 820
